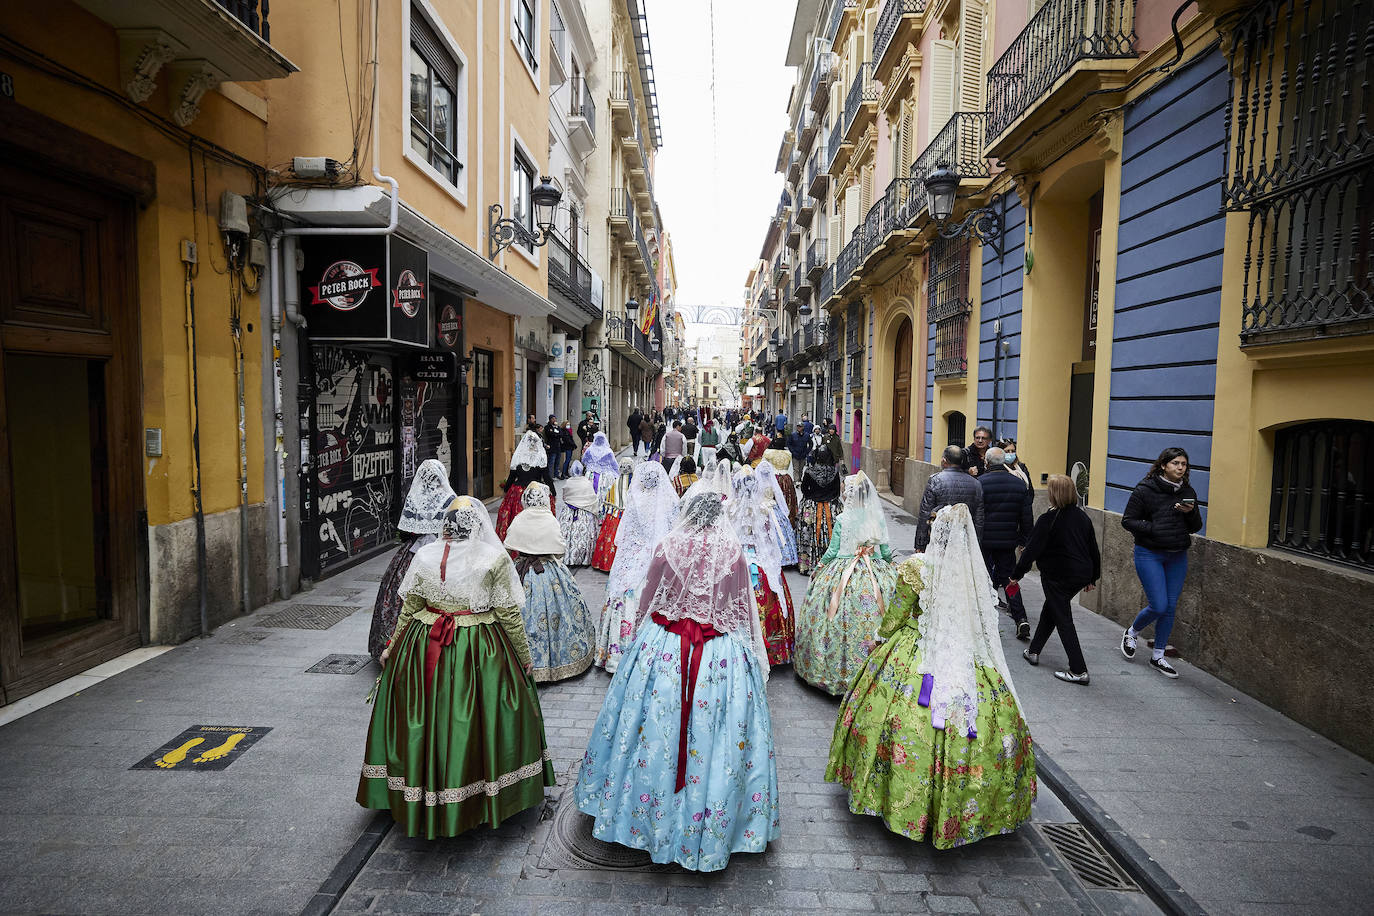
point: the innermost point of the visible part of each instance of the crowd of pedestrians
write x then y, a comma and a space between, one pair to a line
695, 528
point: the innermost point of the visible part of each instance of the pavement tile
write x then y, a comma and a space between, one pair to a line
938, 903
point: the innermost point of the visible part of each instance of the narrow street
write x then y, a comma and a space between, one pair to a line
277, 831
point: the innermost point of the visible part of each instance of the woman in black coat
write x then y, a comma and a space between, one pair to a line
1162, 516
1064, 547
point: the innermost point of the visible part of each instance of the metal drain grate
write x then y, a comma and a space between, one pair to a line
1093, 865
309, 616
339, 664
245, 638
571, 844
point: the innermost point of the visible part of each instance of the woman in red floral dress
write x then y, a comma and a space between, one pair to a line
529, 463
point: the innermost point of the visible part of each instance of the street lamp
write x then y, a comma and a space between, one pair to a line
631, 307
984, 223
502, 233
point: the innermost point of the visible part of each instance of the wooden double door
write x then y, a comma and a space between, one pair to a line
70, 457
901, 408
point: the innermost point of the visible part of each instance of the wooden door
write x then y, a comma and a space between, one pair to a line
901, 408
70, 465
483, 425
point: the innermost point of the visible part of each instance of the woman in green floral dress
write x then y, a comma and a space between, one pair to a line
839, 617
930, 737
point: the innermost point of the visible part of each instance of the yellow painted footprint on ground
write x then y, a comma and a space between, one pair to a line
216, 753
173, 757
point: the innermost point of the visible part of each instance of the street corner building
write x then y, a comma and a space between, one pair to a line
257, 277
1151, 229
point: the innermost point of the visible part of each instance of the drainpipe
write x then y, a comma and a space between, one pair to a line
281, 283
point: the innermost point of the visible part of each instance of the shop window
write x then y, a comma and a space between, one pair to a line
1323, 496
435, 99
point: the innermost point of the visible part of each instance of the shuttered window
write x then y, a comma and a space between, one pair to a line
908, 140
941, 85
435, 101
969, 86
866, 198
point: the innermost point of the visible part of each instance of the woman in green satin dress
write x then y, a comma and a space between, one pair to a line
930, 736
457, 735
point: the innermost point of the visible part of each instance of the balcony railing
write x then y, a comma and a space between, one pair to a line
1059, 35
580, 103
570, 275
252, 13
832, 146
836, 12
889, 20
826, 290
623, 208
622, 88
817, 173
800, 285
893, 212
815, 257
862, 90
958, 145
849, 258
822, 74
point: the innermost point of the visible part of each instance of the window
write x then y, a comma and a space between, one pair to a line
525, 31
434, 99
521, 198
1323, 496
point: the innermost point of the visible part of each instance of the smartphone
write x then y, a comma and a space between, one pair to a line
1189, 502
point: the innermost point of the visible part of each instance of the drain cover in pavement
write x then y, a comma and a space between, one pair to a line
339, 664
571, 844
245, 638
203, 747
1093, 865
308, 616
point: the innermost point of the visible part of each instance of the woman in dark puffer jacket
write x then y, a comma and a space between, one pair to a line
1162, 516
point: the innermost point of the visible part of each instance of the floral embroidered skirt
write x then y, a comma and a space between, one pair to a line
580, 529
468, 751
629, 772
387, 608
776, 616
511, 506
616, 629
789, 493
557, 623
830, 651
815, 524
921, 780
604, 554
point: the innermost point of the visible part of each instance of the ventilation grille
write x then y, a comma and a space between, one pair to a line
1093, 865
308, 616
339, 664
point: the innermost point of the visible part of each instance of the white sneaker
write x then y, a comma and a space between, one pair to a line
1127, 644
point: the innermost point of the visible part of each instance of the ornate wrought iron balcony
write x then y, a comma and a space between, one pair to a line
815, 257
862, 92
570, 275
826, 291
817, 172
892, 16
1059, 35
835, 145
823, 73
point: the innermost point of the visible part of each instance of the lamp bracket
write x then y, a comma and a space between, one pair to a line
986, 224
502, 233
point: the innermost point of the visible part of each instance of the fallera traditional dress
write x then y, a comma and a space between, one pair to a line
602, 468
422, 515
528, 463
559, 627
774, 498
955, 763
756, 527
844, 604
457, 735
780, 459
603, 557
680, 762
579, 520
650, 510
816, 513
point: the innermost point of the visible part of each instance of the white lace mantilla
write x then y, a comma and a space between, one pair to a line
476, 575
459, 794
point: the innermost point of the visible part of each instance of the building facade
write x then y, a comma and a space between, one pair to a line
1175, 252
263, 278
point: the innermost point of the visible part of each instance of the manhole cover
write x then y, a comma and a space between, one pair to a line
245, 638
1093, 865
571, 844
339, 664
309, 616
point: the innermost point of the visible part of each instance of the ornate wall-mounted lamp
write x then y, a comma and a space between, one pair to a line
504, 232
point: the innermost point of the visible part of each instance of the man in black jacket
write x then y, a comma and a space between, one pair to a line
976, 451
632, 424
947, 486
1007, 522
587, 428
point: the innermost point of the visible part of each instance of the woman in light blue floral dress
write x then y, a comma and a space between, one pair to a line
689, 781
558, 624
839, 617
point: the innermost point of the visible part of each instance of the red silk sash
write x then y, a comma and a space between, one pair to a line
693, 639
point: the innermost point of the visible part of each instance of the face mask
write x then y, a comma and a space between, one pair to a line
1011, 458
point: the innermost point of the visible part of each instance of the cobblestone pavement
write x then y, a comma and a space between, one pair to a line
827, 860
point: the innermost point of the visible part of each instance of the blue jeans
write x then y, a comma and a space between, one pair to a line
1162, 573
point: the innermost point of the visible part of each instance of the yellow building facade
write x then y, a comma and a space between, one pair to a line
197, 196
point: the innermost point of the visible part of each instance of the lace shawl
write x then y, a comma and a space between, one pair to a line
768, 484
579, 493
475, 574
600, 458
650, 507
864, 522
756, 526
535, 531
699, 571
428, 499
529, 453
958, 620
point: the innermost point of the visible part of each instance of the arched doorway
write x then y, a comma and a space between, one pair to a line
956, 423
901, 407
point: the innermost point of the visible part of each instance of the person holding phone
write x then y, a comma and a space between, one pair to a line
1162, 516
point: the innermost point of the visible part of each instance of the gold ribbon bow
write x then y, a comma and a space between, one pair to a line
863, 555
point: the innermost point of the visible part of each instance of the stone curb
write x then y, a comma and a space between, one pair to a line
1153, 879
341, 877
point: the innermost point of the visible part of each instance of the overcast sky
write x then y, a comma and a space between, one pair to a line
717, 187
